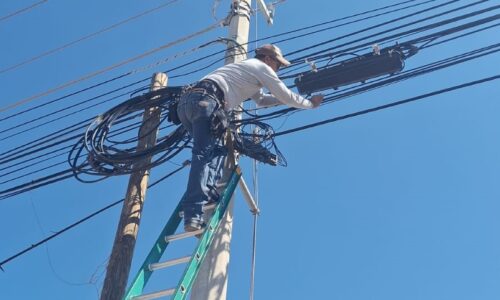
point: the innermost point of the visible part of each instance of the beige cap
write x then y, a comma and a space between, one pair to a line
272, 50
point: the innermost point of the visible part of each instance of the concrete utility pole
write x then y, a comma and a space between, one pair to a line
126, 235
211, 282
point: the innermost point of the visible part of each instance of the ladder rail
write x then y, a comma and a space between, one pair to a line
166, 236
206, 239
137, 286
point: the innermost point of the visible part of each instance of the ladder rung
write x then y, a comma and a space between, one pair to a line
183, 235
205, 208
169, 263
155, 295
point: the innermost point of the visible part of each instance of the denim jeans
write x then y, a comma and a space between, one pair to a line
195, 112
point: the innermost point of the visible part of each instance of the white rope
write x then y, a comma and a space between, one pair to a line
255, 192
254, 235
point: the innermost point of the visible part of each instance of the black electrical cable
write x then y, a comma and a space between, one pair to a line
2, 263
301, 128
294, 61
385, 106
61, 110
310, 33
384, 31
12, 158
36, 158
33, 184
48, 153
287, 131
49, 179
41, 161
55, 156
257, 40
57, 119
354, 90
460, 36
13, 155
59, 232
46, 139
258, 144
285, 33
108, 160
38, 162
30, 173
433, 36
50, 138
317, 55
69, 95
400, 79
349, 23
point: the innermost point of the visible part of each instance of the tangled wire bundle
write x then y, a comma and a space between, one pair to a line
258, 143
99, 152
106, 157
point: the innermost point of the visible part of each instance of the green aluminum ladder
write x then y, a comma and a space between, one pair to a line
151, 263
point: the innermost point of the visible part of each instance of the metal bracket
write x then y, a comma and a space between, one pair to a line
238, 8
311, 63
267, 10
248, 197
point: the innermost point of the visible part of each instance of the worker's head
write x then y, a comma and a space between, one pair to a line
271, 56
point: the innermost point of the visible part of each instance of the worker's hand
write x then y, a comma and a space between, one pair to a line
316, 100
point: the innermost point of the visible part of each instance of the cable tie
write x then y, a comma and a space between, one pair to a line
311, 63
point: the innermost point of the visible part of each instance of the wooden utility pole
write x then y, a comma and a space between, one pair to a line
126, 235
211, 282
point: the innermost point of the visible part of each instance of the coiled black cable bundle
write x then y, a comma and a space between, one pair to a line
105, 157
257, 143
100, 153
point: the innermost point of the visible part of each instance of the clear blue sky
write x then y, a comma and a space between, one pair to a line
398, 204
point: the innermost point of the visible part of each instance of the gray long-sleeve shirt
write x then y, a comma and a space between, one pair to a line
245, 79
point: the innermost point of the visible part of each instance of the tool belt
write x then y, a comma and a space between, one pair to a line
219, 120
207, 86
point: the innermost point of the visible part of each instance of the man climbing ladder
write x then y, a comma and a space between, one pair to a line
203, 111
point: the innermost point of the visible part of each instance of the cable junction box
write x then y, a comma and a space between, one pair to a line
359, 69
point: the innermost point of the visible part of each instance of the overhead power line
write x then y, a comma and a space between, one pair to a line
277, 134
90, 106
385, 106
69, 95
109, 68
258, 40
384, 81
92, 215
366, 39
83, 38
369, 86
422, 39
22, 10
342, 24
392, 21
163, 61
297, 129
58, 176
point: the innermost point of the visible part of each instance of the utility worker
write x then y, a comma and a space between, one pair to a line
226, 88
